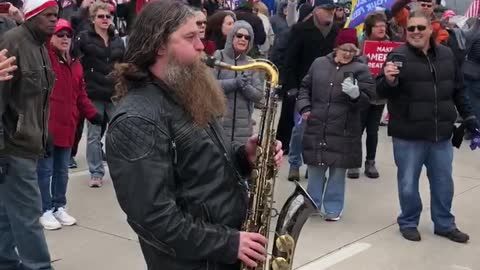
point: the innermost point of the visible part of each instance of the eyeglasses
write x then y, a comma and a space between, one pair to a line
103, 16
200, 23
62, 35
239, 36
426, 5
420, 28
353, 51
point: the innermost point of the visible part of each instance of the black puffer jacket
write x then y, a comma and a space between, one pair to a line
98, 61
423, 104
333, 133
175, 184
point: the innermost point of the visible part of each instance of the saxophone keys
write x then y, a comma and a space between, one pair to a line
280, 263
285, 243
255, 174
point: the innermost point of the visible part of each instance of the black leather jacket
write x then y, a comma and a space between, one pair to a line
176, 182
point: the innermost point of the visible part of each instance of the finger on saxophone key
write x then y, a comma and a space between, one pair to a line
252, 248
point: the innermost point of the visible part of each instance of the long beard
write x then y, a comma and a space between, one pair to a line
197, 90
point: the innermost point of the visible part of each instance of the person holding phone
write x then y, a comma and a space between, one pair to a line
424, 87
329, 101
10, 16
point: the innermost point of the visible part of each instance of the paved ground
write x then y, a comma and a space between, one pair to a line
366, 237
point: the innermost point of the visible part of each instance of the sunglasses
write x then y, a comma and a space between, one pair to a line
62, 35
102, 16
420, 28
200, 23
239, 36
426, 5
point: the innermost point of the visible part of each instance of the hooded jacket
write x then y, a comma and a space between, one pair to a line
279, 20
242, 97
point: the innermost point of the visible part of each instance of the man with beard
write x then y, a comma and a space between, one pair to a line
176, 176
23, 138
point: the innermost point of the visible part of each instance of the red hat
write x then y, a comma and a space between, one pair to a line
346, 36
63, 24
32, 8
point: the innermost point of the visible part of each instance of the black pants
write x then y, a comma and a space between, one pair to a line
78, 134
286, 122
371, 117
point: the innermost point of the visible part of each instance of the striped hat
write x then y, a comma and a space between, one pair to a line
474, 9
32, 8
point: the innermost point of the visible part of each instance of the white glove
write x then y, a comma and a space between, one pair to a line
351, 89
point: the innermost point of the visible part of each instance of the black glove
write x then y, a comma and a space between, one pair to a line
49, 146
458, 134
472, 125
96, 120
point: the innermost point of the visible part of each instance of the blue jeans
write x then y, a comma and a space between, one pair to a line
94, 138
331, 192
410, 156
296, 147
53, 178
473, 92
20, 211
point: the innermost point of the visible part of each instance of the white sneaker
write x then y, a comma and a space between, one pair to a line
49, 222
64, 218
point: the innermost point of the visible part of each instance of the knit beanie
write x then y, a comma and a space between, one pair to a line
32, 8
346, 36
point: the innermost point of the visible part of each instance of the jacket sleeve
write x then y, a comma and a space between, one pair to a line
304, 99
84, 104
253, 91
241, 159
142, 170
228, 85
459, 97
384, 89
291, 61
259, 31
366, 83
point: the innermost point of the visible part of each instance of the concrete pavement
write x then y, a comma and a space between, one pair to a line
365, 238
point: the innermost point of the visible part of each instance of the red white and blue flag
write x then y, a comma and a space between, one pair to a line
474, 9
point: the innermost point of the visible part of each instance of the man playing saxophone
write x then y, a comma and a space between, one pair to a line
180, 182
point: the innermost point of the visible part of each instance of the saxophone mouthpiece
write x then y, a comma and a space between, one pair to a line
213, 62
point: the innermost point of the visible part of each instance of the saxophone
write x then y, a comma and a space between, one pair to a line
298, 207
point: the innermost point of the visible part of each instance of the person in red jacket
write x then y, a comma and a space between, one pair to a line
67, 101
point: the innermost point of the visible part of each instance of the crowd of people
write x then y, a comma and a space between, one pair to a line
179, 136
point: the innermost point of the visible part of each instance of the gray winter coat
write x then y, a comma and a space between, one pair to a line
334, 130
244, 97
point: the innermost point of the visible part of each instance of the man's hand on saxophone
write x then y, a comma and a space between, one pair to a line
252, 248
251, 148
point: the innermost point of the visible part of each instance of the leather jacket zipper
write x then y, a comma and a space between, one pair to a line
434, 76
45, 100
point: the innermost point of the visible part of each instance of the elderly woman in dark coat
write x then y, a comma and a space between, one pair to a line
330, 98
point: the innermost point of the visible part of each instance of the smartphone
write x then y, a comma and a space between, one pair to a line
350, 75
398, 60
4, 8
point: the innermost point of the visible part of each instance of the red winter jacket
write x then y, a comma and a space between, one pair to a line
68, 100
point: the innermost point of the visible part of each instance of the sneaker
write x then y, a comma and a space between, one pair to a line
49, 222
72, 164
95, 182
332, 217
371, 170
64, 218
411, 234
293, 174
353, 173
455, 235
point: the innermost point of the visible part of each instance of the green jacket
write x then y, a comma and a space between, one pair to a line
24, 100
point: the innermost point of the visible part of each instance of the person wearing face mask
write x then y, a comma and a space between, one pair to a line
424, 96
242, 89
401, 15
219, 26
307, 41
329, 100
100, 50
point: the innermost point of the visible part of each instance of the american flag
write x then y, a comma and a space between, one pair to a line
474, 9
